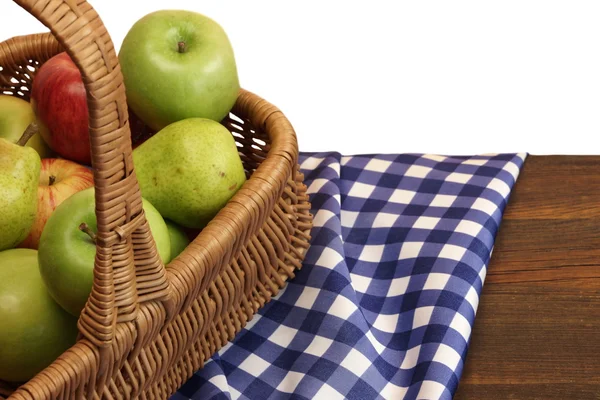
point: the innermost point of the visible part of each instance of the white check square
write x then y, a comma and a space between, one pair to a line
458, 177
484, 205
411, 357
483, 272
473, 298
474, 162
322, 216
308, 297
348, 218
385, 220
426, 222
461, 325
342, 307
312, 162
410, 250
448, 356
443, 200
335, 168
402, 196
378, 165
499, 186
360, 283
283, 336
317, 185
386, 323
372, 253
436, 281
391, 391
361, 190
467, 227
512, 169
398, 286
417, 171
356, 362
319, 346
376, 344
422, 316
220, 381
434, 157
329, 258
452, 252
290, 382
431, 390
234, 393
329, 393
254, 365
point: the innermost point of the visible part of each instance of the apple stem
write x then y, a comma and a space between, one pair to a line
31, 130
85, 228
181, 47
51, 180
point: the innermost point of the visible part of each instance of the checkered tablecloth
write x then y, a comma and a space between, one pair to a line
384, 304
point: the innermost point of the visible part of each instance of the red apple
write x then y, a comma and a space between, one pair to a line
59, 101
59, 180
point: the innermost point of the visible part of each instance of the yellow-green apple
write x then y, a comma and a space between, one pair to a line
15, 116
178, 64
59, 180
179, 238
59, 101
34, 330
67, 248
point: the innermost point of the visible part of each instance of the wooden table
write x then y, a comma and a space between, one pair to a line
537, 330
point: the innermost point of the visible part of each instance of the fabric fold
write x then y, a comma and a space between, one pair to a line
385, 302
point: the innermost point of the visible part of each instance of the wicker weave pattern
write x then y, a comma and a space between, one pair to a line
147, 327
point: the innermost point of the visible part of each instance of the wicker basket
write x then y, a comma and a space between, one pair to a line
147, 327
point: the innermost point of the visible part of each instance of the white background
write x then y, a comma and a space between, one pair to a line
446, 77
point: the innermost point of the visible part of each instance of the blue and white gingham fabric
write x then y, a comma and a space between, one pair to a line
384, 304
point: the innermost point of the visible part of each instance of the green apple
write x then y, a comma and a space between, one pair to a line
15, 116
34, 330
178, 64
179, 238
67, 250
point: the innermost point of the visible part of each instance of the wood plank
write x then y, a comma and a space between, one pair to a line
544, 391
557, 187
537, 331
547, 252
536, 335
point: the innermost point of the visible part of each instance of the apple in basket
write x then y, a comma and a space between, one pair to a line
67, 248
178, 238
59, 101
59, 179
178, 64
34, 330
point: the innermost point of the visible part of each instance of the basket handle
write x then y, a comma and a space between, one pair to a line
122, 279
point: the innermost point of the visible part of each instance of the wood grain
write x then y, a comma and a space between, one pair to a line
537, 331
